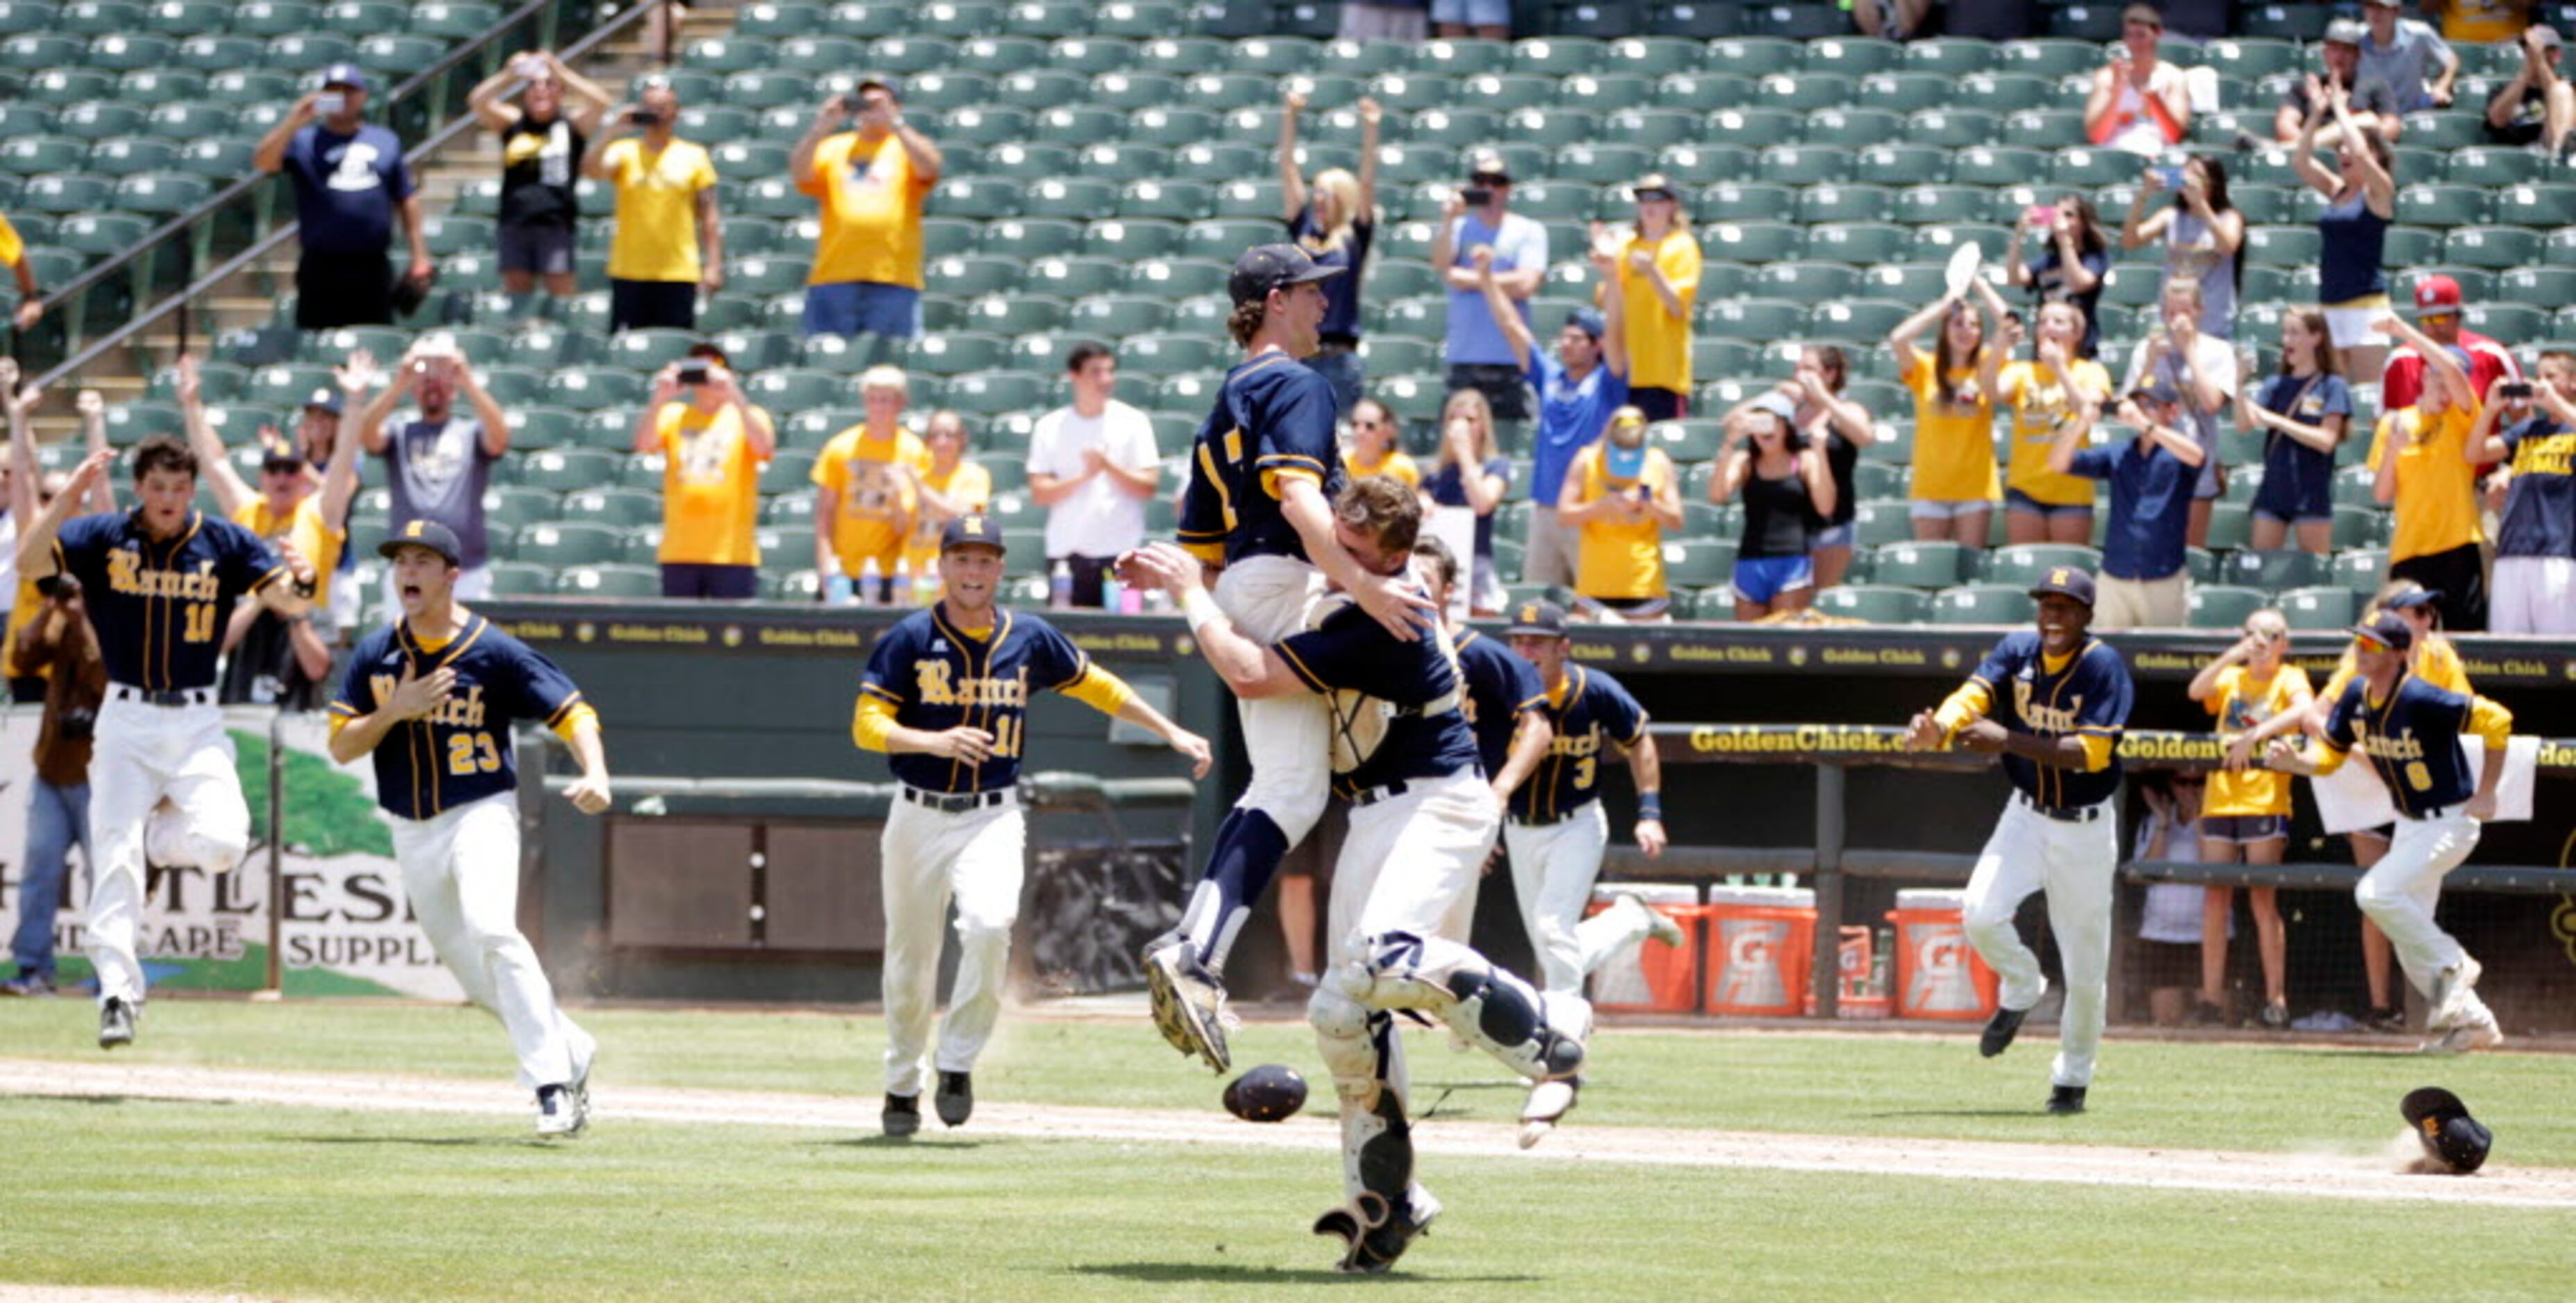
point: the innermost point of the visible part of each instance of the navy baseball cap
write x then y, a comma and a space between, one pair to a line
971, 531
2158, 390
2408, 601
2448, 1133
1267, 267
325, 399
279, 455
2065, 581
425, 533
2389, 630
1537, 619
344, 74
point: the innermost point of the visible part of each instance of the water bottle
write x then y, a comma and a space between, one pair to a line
903, 594
1882, 963
1131, 601
871, 582
1060, 587
1113, 597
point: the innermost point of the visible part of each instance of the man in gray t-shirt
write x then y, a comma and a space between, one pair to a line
2372, 103
2407, 54
439, 462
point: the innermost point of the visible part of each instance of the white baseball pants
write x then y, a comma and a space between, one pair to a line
978, 857
460, 868
2399, 892
144, 753
1553, 869
1289, 738
2073, 863
2532, 594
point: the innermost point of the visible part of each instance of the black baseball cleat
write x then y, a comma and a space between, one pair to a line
2000, 1031
902, 1116
955, 1098
2066, 1099
115, 1024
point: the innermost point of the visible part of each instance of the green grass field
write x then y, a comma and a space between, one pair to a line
336, 1203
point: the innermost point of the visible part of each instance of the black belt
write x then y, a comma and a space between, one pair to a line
179, 697
957, 803
1388, 792
1549, 821
2067, 813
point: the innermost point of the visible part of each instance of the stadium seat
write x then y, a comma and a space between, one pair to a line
2361, 571
2272, 571
1874, 604
616, 507
1698, 562
2224, 606
1759, 320
610, 580
2020, 565
2491, 166
1861, 244
1919, 565
1852, 57
1982, 604
1881, 522
563, 470
1752, 242
1687, 441
1652, 56
2325, 609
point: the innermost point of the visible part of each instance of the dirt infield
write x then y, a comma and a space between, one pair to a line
2347, 1176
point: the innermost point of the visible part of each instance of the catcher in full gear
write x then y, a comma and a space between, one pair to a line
1423, 820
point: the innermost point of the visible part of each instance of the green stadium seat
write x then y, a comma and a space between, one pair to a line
1852, 128
1758, 320
1687, 441
1875, 603
2444, 205
1075, 278
191, 122
57, 86
2491, 166
1555, 56
2002, 92
356, 18
300, 52
2087, 168
2445, 130
2224, 606
2360, 524
1795, 21
1858, 319
2230, 525
1852, 57
131, 155
95, 234
1248, 199
1278, 56
36, 155
1752, 242
1862, 244
2416, 246
997, 56
1651, 56
563, 470
118, 52
2492, 246
2247, 59
2082, 22
100, 120
2272, 571
1391, 353
507, 508
1732, 201
1752, 128
423, 51
1805, 281
1048, 18
1901, 165
1876, 523
1698, 562
1090, 56
2552, 204
18, 17
622, 508
647, 350
2322, 609
2020, 565
614, 581
990, 393
1906, 92
1982, 604
2283, 246
779, 21
1919, 565
2360, 570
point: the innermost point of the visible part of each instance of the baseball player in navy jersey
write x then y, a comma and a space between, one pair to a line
2052, 704
1555, 832
1423, 820
1264, 469
161, 580
432, 698
946, 698
2410, 731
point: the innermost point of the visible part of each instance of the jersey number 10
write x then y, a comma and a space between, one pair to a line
472, 752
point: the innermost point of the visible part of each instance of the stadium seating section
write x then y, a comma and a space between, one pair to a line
1106, 161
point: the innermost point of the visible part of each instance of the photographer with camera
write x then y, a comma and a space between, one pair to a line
350, 182
1478, 233
437, 462
870, 171
714, 443
2532, 429
670, 242
541, 144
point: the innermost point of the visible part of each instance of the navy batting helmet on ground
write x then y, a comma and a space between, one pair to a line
2450, 1135
1266, 1094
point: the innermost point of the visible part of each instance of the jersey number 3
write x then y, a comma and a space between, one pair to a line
471, 752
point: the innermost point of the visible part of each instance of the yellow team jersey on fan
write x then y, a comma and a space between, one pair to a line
2040, 407
2242, 702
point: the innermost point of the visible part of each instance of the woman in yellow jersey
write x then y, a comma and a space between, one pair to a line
1659, 269
952, 487
2056, 389
2419, 456
1954, 482
1622, 497
2245, 816
2436, 662
1372, 449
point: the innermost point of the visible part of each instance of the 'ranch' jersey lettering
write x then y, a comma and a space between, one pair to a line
2413, 739
2090, 695
160, 607
1274, 417
938, 677
461, 751
1597, 713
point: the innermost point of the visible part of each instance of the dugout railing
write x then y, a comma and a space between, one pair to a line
1833, 864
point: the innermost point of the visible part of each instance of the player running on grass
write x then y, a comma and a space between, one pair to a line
2052, 704
432, 698
946, 698
1264, 469
160, 580
1423, 820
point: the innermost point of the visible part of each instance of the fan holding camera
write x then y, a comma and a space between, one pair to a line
543, 137
870, 170
2531, 427
713, 442
670, 242
350, 182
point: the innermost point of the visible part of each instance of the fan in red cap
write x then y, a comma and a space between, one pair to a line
2438, 315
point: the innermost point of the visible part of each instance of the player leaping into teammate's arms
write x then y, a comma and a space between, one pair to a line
443, 686
1423, 821
2052, 704
2410, 731
159, 579
1264, 470
946, 697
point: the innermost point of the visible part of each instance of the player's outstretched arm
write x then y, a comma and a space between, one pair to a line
232, 493
23, 469
588, 793
93, 414
413, 696
1191, 746
292, 599
36, 545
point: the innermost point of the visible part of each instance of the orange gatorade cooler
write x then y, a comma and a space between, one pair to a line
1648, 976
1759, 941
1938, 974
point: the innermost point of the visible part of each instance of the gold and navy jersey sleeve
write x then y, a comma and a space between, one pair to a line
1274, 420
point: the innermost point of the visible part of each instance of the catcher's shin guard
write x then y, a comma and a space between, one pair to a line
1487, 1007
1361, 1050
1386, 1209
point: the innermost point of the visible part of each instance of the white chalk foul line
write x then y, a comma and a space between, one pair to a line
2355, 1177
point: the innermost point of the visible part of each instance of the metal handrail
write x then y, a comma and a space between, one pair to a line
402, 93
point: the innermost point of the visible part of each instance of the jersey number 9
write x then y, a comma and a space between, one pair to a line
471, 752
